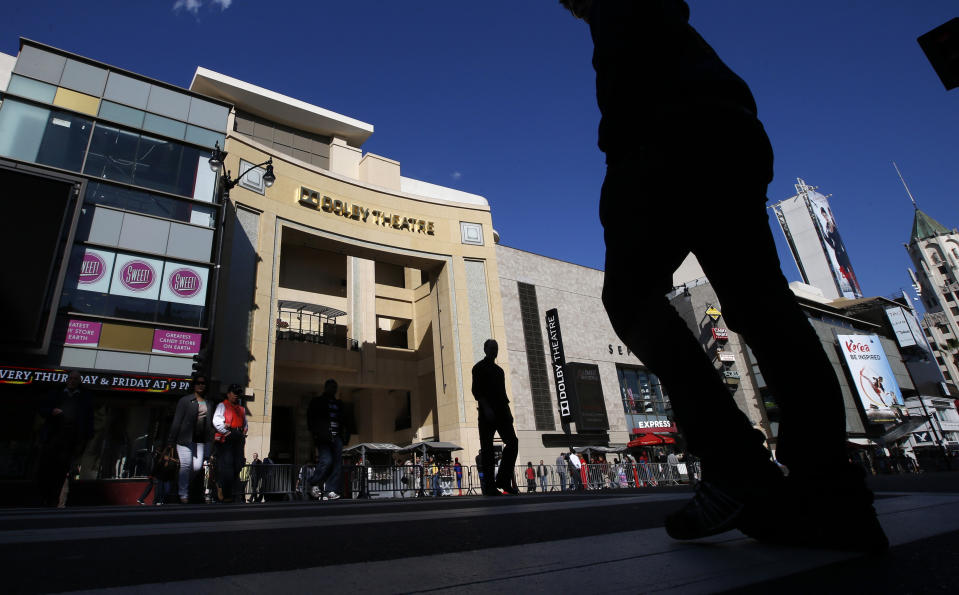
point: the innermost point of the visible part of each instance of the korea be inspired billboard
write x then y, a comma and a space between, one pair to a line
872, 376
141, 277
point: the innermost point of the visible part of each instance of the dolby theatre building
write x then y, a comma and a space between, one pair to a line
386, 284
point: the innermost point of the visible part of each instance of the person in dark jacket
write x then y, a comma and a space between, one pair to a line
67, 426
192, 433
329, 423
681, 135
489, 390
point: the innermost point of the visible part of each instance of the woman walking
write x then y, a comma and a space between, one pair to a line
192, 432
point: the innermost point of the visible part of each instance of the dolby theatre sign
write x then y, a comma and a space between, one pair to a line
341, 208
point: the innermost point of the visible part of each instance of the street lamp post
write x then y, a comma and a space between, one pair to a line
226, 183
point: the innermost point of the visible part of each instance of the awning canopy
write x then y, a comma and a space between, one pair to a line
426, 447
365, 447
613, 448
650, 440
327, 311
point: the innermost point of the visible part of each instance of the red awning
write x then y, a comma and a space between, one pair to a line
649, 440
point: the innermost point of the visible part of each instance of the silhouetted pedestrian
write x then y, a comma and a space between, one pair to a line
327, 421
685, 151
489, 389
67, 425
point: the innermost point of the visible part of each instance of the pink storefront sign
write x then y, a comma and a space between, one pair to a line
176, 342
83, 333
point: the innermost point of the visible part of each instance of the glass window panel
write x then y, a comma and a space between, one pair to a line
149, 204
126, 90
159, 165
121, 114
21, 129
204, 137
84, 77
207, 114
112, 154
65, 141
40, 64
169, 103
164, 126
31, 89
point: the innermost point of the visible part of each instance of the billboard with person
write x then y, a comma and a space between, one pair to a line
872, 377
832, 243
813, 236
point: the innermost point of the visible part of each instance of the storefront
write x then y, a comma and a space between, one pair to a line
111, 228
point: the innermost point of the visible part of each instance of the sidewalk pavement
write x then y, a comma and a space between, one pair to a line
538, 543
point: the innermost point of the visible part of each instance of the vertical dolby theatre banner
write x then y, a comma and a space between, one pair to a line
835, 249
557, 361
873, 378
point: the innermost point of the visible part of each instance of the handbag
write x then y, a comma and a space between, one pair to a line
167, 462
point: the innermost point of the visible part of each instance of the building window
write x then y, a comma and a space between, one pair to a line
536, 358
644, 398
40, 135
146, 161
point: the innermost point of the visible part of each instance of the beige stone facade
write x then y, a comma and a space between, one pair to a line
385, 284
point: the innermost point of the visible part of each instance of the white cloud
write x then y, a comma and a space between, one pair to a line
193, 6
456, 175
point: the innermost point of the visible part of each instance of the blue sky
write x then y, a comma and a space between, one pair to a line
497, 98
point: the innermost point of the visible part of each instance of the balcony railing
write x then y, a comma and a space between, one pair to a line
310, 323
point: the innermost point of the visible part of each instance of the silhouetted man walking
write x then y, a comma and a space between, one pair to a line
489, 389
689, 161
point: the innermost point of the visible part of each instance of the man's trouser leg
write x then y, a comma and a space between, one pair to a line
504, 426
324, 461
487, 455
639, 269
758, 305
334, 482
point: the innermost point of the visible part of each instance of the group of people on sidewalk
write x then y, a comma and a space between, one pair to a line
202, 429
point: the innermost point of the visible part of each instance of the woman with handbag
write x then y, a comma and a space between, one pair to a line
191, 432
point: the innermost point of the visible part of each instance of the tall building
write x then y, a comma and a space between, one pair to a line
934, 251
111, 234
813, 236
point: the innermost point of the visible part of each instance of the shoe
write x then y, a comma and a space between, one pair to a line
141, 502
710, 512
834, 513
184, 500
507, 488
331, 496
316, 492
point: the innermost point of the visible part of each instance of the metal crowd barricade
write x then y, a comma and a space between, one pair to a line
399, 481
268, 480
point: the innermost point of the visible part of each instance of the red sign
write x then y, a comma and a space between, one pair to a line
720, 334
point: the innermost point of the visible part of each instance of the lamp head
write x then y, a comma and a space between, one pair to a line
269, 177
216, 157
